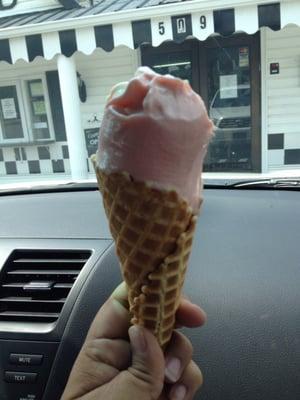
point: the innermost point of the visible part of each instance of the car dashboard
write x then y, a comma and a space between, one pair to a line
58, 266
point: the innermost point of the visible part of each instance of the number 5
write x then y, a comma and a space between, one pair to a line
203, 22
161, 28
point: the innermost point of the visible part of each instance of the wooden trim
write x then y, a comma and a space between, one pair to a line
264, 101
256, 104
203, 72
195, 66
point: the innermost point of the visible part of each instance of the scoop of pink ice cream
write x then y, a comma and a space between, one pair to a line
158, 131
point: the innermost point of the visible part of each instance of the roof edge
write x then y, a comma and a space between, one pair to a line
125, 16
69, 4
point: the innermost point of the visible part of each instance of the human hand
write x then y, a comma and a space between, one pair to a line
120, 364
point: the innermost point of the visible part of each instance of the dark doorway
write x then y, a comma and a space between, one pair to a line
225, 72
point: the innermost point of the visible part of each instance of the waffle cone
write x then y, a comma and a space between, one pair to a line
153, 231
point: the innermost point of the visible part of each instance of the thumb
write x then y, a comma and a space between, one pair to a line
146, 373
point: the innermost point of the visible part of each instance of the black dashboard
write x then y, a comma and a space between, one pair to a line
244, 270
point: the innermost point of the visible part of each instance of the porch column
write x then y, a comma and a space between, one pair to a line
71, 107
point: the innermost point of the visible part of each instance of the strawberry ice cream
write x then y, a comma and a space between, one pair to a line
157, 131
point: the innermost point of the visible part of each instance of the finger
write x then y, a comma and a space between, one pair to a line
190, 315
115, 353
101, 358
121, 294
112, 320
178, 355
146, 373
190, 381
145, 376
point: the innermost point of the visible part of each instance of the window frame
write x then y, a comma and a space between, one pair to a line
25, 138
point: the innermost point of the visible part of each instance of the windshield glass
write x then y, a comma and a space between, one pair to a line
223, 98
59, 61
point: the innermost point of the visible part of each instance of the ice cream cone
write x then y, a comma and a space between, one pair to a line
153, 231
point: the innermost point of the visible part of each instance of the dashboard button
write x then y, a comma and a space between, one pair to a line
25, 359
20, 377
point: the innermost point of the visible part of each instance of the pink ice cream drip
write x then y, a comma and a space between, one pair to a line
158, 131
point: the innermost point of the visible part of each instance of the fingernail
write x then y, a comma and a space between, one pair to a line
137, 339
179, 393
172, 370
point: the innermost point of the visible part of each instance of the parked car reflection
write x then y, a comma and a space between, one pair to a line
230, 111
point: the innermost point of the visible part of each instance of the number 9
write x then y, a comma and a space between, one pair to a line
203, 22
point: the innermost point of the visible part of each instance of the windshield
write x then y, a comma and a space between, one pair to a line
224, 98
59, 61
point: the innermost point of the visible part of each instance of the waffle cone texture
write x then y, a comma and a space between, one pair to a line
153, 232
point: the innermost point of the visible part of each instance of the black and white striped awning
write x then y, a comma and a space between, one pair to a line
152, 25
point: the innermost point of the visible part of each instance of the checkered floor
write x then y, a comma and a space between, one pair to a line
53, 158
45, 159
284, 150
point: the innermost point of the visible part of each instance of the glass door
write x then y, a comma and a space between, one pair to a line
176, 64
233, 105
38, 110
225, 72
179, 60
10, 116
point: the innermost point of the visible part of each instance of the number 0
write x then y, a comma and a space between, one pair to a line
161, 28
203, 22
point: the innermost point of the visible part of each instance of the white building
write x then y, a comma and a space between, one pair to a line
242, 56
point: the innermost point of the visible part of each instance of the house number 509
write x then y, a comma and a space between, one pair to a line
162, 29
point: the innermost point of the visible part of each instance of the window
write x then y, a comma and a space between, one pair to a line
38, 110
11, 118
25, 112
224, 99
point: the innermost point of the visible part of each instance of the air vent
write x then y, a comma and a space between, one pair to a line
34, 285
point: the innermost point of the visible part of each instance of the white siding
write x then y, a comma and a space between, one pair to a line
283, 91
24, 6
100, 71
